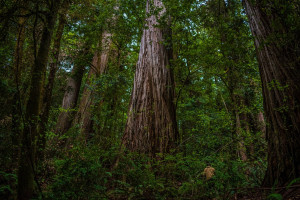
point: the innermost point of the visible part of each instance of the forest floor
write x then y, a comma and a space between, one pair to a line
293, 193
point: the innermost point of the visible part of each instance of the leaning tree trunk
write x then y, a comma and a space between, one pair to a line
151, 126
99, 64
27, 163
71, 95
277, 46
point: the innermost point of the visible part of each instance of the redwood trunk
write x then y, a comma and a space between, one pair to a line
261, 125
99, 64
151, 126
69, 102
280, 74
241, 145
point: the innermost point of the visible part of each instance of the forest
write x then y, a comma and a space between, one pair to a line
149, 99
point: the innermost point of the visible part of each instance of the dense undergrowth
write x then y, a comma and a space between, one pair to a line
216, 78
85, 171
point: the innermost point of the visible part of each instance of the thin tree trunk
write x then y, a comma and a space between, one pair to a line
278, 59
27, 163
99, 64
233, 87
17, 111
70, 99
53, 69
151, 126
261, 124
237, 103
241, 145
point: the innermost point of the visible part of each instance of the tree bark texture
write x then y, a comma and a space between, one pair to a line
242, 148
47, 99
70, 98
238, 102
279, 63
17, 111
151, 126
239, 127
232, 78
99, 64
30, 134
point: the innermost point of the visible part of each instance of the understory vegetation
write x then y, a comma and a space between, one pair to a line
118, 99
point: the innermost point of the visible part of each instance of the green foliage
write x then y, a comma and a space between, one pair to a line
8, 184
275, 196
297, 180
216, 76
87, 173
77, 176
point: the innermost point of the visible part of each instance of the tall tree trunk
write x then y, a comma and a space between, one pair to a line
261, 124
239, 126
99, 64
237, 104
151, 126
17, 111
30, 133
53, 69
71, 95
278, 58
241, 144
237, 99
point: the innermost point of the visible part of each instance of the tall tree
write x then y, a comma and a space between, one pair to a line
71, 95
17, 104
151, 126
47, 99
27, 163
98, 67
232, 37
275, 26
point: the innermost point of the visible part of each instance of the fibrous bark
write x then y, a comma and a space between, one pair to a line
241, 145
70, 98
261, 124
99, 64
151, 126
278, 57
